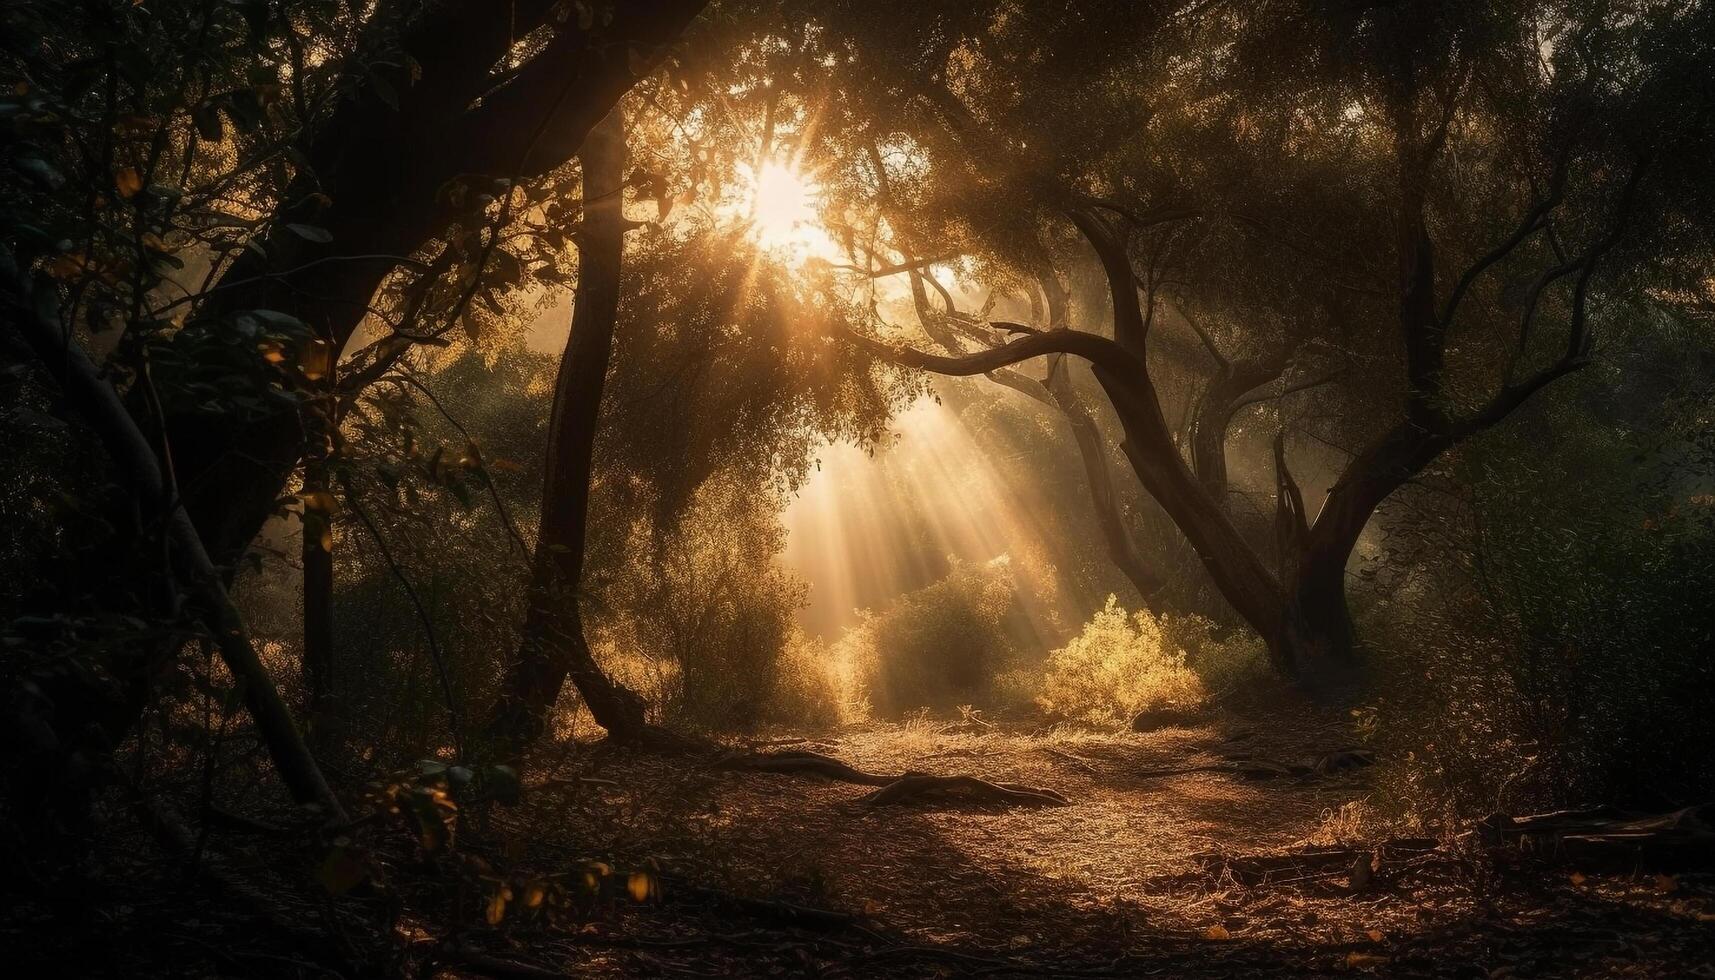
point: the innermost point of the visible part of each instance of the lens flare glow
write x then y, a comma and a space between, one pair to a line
782, 203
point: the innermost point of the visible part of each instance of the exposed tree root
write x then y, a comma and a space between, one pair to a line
798, 762
894, 789
1247, 769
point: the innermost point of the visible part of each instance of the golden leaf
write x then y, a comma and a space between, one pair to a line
65, 266
497, 908
128, 181
320, 501
316, 358
1365, 961
640, 885
1375, 935
1217, 932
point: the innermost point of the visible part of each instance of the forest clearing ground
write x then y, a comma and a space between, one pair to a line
1122, 882
1139, 876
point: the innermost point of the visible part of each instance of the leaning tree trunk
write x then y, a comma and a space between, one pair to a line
553, 645
1056, 391
372, 180
1144, 575
193, 571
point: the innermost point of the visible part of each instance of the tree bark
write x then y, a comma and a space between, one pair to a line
553, 646
1213, 416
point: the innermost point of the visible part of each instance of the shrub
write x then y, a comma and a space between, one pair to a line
707, 609
1555, 647
938, 647
1122, 664
811, 690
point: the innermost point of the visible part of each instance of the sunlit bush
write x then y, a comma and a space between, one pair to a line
1123, 663
705, 603
812, 688
938, 647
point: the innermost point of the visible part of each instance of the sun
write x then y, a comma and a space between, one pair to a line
782, 205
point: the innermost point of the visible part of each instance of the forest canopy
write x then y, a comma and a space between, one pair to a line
410, 408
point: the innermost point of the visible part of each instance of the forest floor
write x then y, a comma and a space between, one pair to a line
1212, 873
1198, 874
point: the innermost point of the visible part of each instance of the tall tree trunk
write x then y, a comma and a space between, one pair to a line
553, 645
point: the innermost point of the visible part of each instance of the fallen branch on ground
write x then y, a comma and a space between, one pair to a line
894, 789
1609, 837
806, 763
1362, 867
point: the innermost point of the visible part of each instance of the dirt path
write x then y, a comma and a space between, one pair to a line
1127, 881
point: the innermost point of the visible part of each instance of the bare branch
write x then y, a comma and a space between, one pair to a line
1095, 349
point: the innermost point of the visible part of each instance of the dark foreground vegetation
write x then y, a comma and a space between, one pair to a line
1279, 538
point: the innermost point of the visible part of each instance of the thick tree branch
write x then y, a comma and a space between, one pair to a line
1091, 347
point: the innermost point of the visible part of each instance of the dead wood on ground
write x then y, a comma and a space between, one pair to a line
1680, 840
894, 789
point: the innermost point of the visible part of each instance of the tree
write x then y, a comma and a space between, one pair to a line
553, 645
1396, 90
